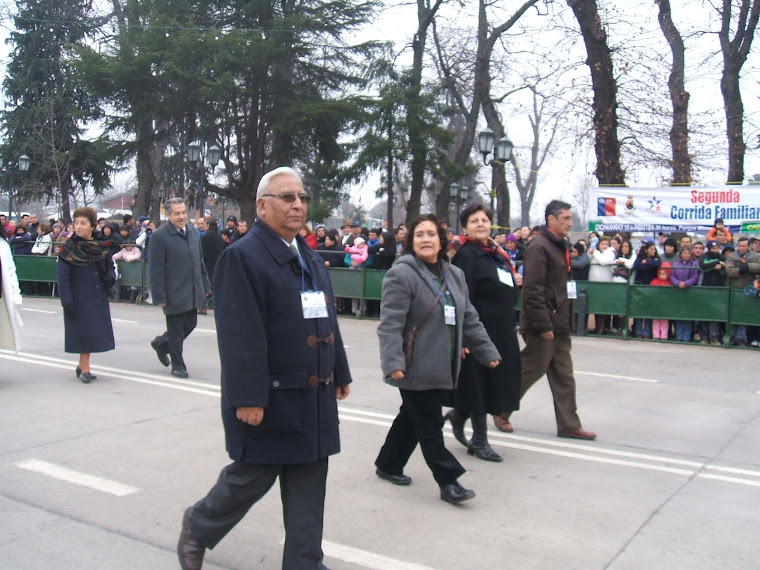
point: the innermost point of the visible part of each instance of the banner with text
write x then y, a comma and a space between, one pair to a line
672, 209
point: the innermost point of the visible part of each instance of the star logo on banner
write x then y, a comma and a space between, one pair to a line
654, 204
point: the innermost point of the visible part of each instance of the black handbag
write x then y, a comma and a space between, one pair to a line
409, 335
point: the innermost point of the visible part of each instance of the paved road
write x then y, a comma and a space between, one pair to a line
97, 476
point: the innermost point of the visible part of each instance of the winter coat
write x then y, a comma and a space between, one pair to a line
602, 264
579, 267
712, 277
358, 254
480, 388
43, 245
272, 357
657, 282
545, 306
312, 242
126, 255
686, 272
626, 262
84, 292
742, 268
177, 274
21, 244
10, 323
408, 292
646, 269
334, 255
212, 245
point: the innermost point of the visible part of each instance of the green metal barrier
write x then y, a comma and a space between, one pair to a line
692, 304
39, 268
719, 304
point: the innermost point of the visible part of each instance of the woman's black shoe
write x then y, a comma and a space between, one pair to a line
479, 446
86, 377
455, 493
395, 479
78, 371
457, 426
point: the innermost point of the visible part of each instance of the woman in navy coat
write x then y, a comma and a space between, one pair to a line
85, 276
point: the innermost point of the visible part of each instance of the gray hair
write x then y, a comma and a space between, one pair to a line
169, 204
267, 178
554, 207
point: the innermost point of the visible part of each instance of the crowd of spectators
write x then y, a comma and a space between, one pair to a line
663, 262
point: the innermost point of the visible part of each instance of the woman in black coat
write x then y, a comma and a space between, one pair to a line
85, 276
493, 285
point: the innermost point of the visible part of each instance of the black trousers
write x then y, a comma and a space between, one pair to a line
419, 421
240, 486
178, 328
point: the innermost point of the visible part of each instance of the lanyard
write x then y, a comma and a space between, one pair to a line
441, 294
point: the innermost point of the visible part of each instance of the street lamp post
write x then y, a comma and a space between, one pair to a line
459, 194
23, 165
213, 154
502, 151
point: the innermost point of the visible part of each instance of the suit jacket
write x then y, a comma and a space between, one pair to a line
271, 356
175, 266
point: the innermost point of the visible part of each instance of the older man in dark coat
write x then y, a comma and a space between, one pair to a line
178, 281
283, 367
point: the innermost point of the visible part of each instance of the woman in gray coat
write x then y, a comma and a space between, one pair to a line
419, 280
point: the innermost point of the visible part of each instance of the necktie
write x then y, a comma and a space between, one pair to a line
294, 249
182, 231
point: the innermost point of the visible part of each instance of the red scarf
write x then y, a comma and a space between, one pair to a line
493, 250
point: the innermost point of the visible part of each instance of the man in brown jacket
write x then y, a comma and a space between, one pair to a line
545, 320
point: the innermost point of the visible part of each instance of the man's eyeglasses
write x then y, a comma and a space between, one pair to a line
289, 197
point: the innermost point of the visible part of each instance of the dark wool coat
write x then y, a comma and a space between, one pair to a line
545, 306
483, 389
407, 294
87, 315
271, 356
177, 274
212, 245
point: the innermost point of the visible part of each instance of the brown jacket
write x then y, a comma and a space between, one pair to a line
545, 306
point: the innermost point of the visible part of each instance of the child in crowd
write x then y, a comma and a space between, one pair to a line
660, 326
128, 253
713, 268
358, 254
684, 275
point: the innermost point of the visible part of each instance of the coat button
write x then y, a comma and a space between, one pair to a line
276, 384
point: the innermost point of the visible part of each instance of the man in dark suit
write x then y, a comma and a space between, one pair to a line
283, 368
178, 282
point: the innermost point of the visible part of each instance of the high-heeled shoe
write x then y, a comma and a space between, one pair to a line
78, 371
457, 426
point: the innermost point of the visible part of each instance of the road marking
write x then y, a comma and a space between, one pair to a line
211, 331
367, 559
125, 321
40, 311
77, 477
618, 376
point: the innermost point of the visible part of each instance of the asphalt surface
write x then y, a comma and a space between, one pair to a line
97, 476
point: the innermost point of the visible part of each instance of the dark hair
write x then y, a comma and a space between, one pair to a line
409, 243
472, 209
579, 247
124, 228
643, 251
741, 239
213, 225
554, 207
125, 218
101, 220
631, 250
376, 231
536, 229
88, 213
389, 238
671, 242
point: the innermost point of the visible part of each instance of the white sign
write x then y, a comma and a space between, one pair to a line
681, 208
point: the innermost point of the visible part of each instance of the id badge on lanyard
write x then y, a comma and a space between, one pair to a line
450, 314
314, 304
572, 292
505, 277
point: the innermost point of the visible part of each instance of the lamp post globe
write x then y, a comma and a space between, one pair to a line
194, 151
24, 162
503, 150
213, 156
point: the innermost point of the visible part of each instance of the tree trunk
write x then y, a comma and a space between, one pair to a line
599, 59
679, 98
735, 53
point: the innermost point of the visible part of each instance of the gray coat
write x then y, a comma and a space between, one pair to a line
177, 274
408, 292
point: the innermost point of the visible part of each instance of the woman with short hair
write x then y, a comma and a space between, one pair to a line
85, 277
425, 293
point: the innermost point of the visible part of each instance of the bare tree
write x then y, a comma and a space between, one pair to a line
599, 61
679, 97
735, 51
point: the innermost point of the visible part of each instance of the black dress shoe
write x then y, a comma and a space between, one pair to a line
163, 357
455, 493
86, 377
180, 372
78, 371
395, 479
189, 551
